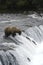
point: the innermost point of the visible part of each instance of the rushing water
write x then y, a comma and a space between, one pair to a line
23, 49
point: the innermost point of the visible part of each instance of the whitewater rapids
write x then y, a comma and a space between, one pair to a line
24, 49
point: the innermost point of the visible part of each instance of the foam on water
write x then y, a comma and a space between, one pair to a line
38, 57
36, 16
9, 21
36, 33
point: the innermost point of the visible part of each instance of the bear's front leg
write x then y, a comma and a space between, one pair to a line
7, 34
13, 34
19, 32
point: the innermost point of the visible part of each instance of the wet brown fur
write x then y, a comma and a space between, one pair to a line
11, 31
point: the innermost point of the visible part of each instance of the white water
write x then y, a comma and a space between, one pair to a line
24, 49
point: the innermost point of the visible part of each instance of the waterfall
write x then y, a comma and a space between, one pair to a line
22, 48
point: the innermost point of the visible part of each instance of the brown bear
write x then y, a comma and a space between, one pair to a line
11, 31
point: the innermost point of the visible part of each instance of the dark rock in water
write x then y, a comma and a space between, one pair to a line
34, 42
29, 59
28, 38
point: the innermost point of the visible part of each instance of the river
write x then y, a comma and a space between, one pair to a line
21, 49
